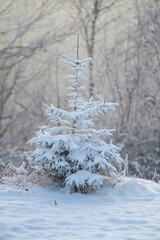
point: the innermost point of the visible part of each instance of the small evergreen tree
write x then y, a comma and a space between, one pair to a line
72, 150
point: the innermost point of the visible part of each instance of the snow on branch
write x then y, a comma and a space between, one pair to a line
78, 76
77, 61
96, 133
83, 179
56, 111
59, 129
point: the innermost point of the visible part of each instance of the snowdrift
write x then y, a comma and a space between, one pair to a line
128, 211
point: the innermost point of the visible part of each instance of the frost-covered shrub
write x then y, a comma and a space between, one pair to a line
143, 156
15, 167
15, 176
146, 166
72, 149
15, 155
24, 173
5, 157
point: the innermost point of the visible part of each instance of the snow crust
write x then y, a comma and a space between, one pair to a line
128, 211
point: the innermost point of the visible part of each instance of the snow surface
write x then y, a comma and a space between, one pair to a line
128, 211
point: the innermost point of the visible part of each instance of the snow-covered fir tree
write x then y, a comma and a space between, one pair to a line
72, 149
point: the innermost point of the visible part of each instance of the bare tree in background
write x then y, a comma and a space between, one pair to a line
91, 17
132, 71
28, 29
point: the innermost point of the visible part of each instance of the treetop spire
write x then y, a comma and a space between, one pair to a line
77, 45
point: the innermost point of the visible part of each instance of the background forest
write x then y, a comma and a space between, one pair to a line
122, 38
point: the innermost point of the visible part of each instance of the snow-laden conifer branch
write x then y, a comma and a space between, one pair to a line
96, 133
77, 61
59, 129
85, 123
78, 66
78, 88
56, 111
78, 76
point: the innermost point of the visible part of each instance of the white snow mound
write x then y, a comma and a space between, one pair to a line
128, 211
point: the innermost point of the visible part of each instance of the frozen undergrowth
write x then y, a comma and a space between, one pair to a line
128, 211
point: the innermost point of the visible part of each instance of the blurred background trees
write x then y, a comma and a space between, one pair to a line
123, 40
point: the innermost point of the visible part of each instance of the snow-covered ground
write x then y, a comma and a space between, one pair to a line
130, 210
